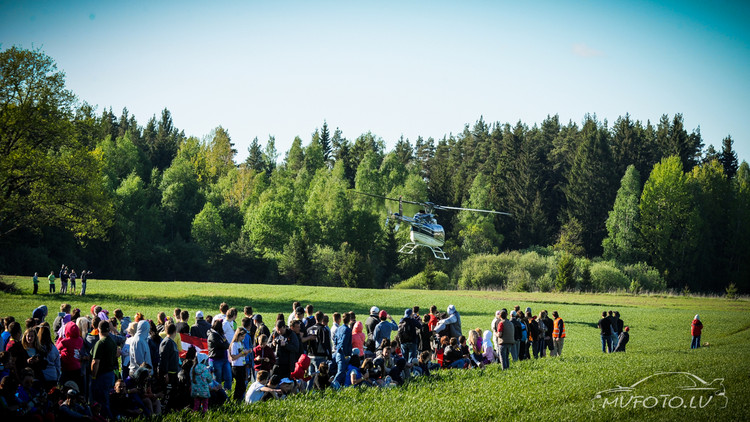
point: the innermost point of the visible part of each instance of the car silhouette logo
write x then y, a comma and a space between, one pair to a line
665, 390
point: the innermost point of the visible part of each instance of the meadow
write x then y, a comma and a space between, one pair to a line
545, 389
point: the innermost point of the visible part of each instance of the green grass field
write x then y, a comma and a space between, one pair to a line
545, 389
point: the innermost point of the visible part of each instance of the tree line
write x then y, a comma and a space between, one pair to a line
94, 189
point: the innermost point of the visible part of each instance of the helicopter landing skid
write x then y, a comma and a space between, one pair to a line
436, 251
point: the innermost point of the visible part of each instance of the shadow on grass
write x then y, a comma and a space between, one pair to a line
585, 324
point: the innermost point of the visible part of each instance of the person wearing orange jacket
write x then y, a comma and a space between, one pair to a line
696, 329
558, 333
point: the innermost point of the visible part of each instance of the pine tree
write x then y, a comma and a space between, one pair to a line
589, 190
295, 263
255, 159
728, 158
325, 144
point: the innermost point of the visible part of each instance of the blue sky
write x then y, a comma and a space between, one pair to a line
394, 68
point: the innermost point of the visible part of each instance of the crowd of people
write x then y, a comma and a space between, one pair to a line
99, 365
67, 277
615, 335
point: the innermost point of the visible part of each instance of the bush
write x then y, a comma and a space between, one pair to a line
635, 287
533, 264
441, 281
731, 291
565, 279
486, 271
583, 274
648, 277
605, 277
546, 283
519, 280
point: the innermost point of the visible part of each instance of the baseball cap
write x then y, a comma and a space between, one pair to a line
199, 314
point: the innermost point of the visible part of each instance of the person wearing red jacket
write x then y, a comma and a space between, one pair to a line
300, 369
695, 330
70, 354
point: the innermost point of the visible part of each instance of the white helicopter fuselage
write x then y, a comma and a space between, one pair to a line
430, 235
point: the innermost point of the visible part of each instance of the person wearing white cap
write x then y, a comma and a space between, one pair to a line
696, 329
201, 326
372, 321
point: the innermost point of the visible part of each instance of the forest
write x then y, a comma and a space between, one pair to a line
596, 205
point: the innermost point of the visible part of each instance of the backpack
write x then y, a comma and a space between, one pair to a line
406, 332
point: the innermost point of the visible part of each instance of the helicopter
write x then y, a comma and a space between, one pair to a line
425, 230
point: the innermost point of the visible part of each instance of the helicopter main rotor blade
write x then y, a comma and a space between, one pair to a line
441, 207
390, 199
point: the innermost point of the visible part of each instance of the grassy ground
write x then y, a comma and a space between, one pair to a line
555, 389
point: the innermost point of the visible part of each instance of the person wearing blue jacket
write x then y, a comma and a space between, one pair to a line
342, 345
384, 328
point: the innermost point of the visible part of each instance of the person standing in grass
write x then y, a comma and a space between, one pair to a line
201, 326
72, 277
169, 363
384, 328
372, 321
218, 347
84, 278
558, 333
342, 345
548, 327
63, 280
535, 334
615, 334
51, 279
237, 354
103, 365
605, 330
35, 280
695, 329
200, 380
623, 340
506, 338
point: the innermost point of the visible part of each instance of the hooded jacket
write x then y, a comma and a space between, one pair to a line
696, 326
300, 368
70, 348
487, 350
139, 349
452, 324
52, 371
40, 313
358, 337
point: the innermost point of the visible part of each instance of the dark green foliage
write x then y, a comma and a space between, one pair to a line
565, 279
295, 263
589, 190
728, 158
